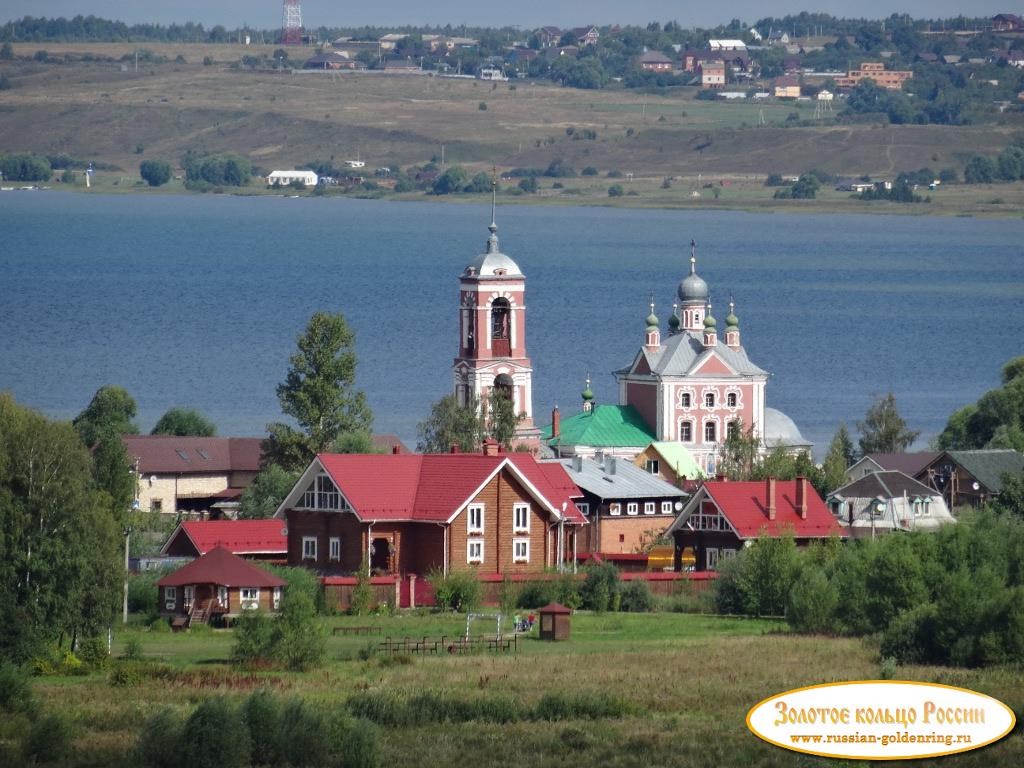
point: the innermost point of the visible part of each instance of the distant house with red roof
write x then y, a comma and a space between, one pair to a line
218, 584
722, 516
251, 539
488, 513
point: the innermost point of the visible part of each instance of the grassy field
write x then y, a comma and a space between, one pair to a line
96, 111
686, 682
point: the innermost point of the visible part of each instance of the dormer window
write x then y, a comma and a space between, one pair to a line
322, 494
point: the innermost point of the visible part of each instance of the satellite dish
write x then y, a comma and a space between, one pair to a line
678, 505
975, 486
152, 479
284, 531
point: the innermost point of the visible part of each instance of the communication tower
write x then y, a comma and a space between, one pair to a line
291, 23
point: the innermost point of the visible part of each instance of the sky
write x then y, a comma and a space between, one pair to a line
266, 14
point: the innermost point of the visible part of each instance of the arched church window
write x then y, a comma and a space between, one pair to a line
685, 400
710, 432
709, 400
503, 383
731, 399
500, 319
686, 431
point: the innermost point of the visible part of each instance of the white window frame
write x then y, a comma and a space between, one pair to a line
714, 425
685, 423
520, 550
170, 598
250, 601
475, 551
653, 466
736, 396
334, 548
649, 507
709, 399
471, 511
583, 507
276, 598
632, 508
309, 548
615, 508
188, 596
521, 518
711, 558
223, 597
666, 507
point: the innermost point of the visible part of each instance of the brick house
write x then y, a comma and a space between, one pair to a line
722, 517
408, 514
786, 87
627, 507
892, 79
655, 61
712, 74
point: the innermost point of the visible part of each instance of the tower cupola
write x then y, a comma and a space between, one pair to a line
693, 295
710, 331
673, 320
732, 327
588, 397
652, 338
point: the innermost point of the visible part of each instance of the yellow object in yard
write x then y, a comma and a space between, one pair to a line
661, 558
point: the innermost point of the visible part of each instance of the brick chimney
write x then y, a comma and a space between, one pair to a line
454, 448
769, 492
801, 497
396, 449
491, 447
556, 422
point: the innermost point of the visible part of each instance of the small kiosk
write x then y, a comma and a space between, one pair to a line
554, 622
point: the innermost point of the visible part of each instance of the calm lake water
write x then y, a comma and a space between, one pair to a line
197, 301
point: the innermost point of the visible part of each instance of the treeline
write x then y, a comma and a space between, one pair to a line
954, 597
97, 30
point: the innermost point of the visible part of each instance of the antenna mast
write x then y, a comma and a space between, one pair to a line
291, 23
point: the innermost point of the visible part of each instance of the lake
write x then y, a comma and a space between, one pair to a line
197, 301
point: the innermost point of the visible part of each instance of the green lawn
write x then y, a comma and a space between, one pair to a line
685, 682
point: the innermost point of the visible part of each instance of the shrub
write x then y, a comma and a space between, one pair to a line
361, 747
774, 180
564, 706
614, 174
616, 190
216, 737
15, 691
589, 171
636, 597
458, 591
600, 591
132, 649
528, 184
302, 735
559, 169
297, 640
93, 654
48, 739
362, 599
161, 741
812, 602
261, 713
536, 594
482, 106
155, 172
254, 639
125, 675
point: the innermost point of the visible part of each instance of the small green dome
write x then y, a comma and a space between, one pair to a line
710, 322
588, 393
652, 320
673, 321
732, 321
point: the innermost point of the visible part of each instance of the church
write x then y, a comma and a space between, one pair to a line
695, 386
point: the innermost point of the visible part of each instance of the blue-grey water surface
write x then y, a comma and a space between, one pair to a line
197, 300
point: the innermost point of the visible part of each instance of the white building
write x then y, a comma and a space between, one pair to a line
284, 178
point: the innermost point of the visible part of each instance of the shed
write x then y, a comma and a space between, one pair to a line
554, 622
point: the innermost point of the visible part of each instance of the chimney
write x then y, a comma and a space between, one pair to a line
491, 447
769, 492
556, 422
801, 497
612, 465
577, 463
454, 448
395, 449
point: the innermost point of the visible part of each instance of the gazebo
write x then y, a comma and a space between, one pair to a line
217, 584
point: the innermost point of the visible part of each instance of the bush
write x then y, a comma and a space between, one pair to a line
297, 640
528, 184
589, 171
216, 737
536, 594
25, 167
93, 654
125, 675
458, 591
361, 747
600, 591
616, 190
48, 739
558, 169
132, 649
261, 713
482, 106
361, 603
155, 172
564, 706
254, 639
303, 735
636, 597
300, 580
15, 690
774, 180
812, 602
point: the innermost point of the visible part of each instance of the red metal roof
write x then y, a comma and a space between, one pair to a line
161, 454
744, 505
433, 487
242, 537
223, 569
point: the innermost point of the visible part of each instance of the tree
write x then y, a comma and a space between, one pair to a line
184, 422
504, 419
59, 566
838, 459
995, 421
265, 493
110, 411
451, 424
451, 181
319, 393
980, 170
6, 52
155, 172
883, 429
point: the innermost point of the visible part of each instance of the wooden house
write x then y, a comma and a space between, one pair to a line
251, 539
723, 516
883, 502
488, 513
672, 462
217, 585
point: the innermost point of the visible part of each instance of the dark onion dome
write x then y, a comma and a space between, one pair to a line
692, 288
673, 320
652, 320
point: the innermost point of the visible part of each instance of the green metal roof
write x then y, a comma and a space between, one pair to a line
607, 426
679, 458
988, 466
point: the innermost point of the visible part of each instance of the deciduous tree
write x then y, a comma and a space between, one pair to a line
184, 422
883, 429
451, 424
155, 172
266, 492
110, 411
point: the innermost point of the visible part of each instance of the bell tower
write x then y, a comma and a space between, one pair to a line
492, 336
